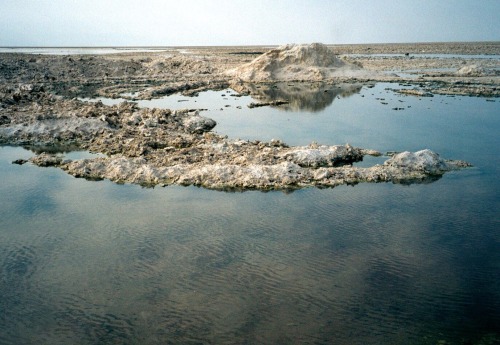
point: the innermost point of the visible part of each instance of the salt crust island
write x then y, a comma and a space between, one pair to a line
39, 109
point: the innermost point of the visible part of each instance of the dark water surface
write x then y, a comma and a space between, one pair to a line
99, 263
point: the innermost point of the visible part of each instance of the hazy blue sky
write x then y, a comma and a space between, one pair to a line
244, 22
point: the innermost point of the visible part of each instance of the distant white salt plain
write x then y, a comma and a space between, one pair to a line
81, 50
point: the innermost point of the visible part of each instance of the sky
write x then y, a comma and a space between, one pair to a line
64, 23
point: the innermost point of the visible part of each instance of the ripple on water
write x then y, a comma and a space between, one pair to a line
79, 320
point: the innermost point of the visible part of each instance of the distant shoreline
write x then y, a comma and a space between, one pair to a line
467, 48
253, 45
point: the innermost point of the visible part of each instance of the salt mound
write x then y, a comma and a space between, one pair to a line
296, 62
471, 71
424, 160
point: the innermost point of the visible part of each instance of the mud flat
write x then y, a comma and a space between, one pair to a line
40, 106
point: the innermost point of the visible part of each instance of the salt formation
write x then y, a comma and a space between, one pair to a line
424, 161
302, 167
471, 71
312, 62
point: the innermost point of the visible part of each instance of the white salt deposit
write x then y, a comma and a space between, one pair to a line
424, 160
471, 71
312, 62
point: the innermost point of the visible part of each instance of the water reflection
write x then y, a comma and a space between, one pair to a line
312, 97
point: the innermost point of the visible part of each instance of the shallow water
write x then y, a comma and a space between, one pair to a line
366, 118
95, 262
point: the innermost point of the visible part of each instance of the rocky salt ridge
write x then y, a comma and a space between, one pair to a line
405, 167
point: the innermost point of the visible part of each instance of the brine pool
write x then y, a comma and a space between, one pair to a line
85, 262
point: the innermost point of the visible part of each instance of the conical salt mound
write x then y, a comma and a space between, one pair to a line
313, 55
293, 62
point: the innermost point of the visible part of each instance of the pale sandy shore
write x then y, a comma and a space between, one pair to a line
39, 105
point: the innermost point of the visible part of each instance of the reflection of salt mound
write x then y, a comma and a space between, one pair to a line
300, 96
296, 62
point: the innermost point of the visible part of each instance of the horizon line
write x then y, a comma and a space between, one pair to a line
234, 45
